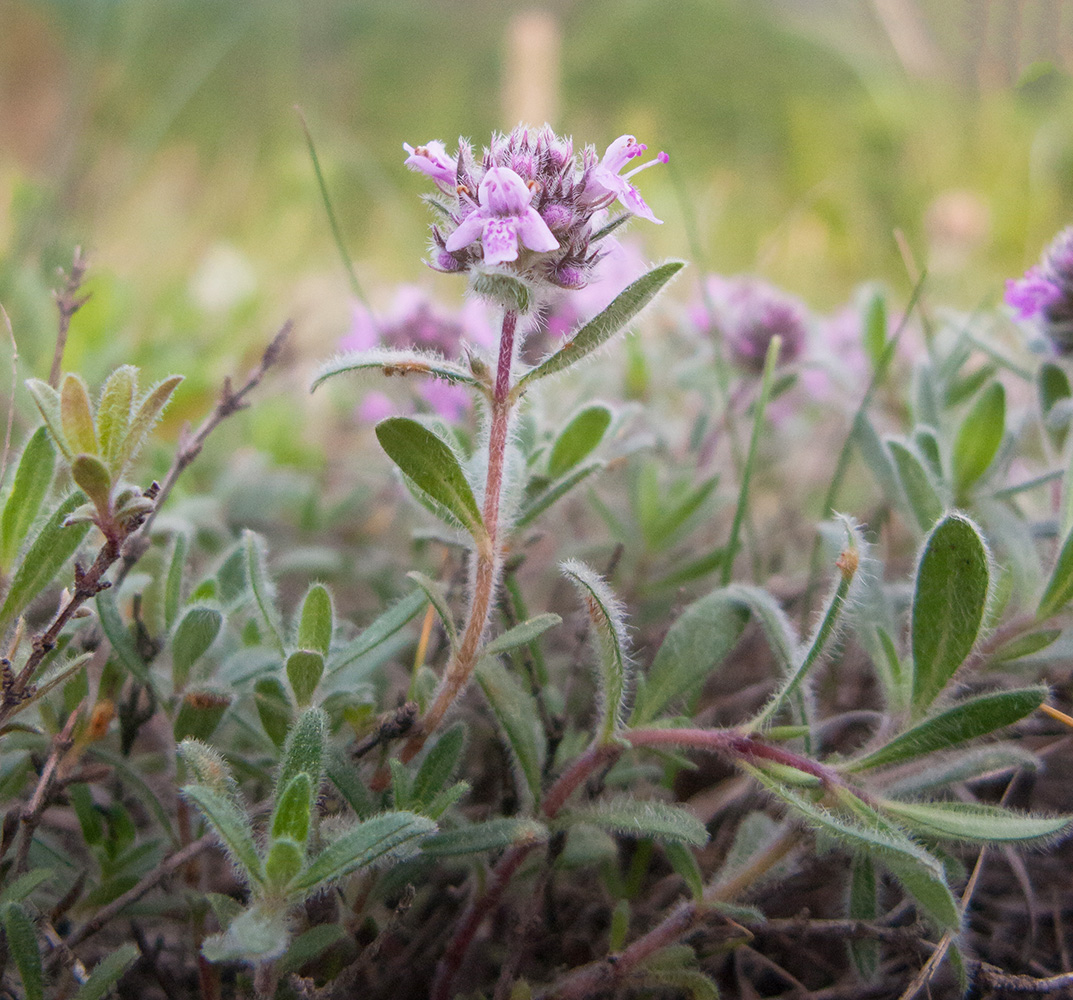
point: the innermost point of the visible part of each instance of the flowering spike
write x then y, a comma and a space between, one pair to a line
1045, 293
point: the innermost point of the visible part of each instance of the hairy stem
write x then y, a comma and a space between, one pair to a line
489, 554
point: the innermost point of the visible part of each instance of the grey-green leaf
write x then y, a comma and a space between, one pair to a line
923, 498
32, 480
491, 835
578, 439
48, 403
978, 437
196, 632
231, 825
516, 713
147, 412
437, 595
438, 766
118, 634
957, 724
53, 545
22, 947
977, 824
381, 629
521, 634
114, 412
640, 818
1059, 589
630, 301
304, 751
107, 972
432, 465
363, 845
261, 584
304, 670
396, 363
316, 624
948, 605
608, 622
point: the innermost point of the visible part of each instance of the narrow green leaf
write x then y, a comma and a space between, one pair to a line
434, 468
344, 775
978, 437
875, 456
273, 708
603, 327
363, 845
927, 443
118, 634
53, 545
1052, 386
196, 632
114, 412
107, 972
690, 570
948, 605
437, 595
21, 887
698, 642
965, 765
1026, 645
923, 498
304, 670
208, 767
551, 494
977, 824
920, 873
290, 818
317, 622
304, 751
672, 513
684, 863
22, 947
491, 835
310, 946
263, 589
863, 905
284, 860
521, 634
578, 439
957, 724
439, 765
232, 826
32, 480
608, 621
381, 629
76, 412
636, 818
147, 412
173, 585
517, 715
200, 713
48, 402
392, 362
874, 328
1059, 589
92, 478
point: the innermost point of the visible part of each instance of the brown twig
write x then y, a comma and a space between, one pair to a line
31, 815
230, 401
390, 726
68, 302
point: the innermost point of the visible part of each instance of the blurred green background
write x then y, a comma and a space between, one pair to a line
803, 134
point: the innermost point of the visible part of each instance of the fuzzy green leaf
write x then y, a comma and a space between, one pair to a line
977, 824
118, 634
208, 767
22, 947
196, 632
965, 765
200, 713
636, 818
684, 863
874, 328
948, 605
978, 437
392, 362
91, 476
304, 670
19, 888
309, 946
273, 708
541, 501
284, 861
107, 972
363, 845
114, 412
32, 480
438, 766
957, 724
256, 935
147, 412
698, 642
53, 545
432, 466
1059, 589
517, 716
76, 412
578, 439
521, 634
608, 621
505, 289
315, 627
923, 498
1026, 645
436, 592
381, 629
48, 402
304, 750
491, 835
601, 328
264, 592
231, 825
173, 584
863, 905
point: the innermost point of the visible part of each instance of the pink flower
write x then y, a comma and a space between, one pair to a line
432, 159
503, 219
1031, 295
605, 181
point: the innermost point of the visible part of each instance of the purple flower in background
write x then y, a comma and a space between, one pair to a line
1045, 293
749, 312
606, 185
528, 205
502, 219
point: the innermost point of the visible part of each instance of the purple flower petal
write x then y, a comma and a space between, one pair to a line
1031, 295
